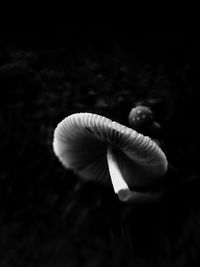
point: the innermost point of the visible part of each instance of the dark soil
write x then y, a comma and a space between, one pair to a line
48, 215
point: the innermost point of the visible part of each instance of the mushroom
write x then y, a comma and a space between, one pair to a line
97, 148
141, 117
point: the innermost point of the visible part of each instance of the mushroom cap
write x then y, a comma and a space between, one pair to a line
140, 116
81, 141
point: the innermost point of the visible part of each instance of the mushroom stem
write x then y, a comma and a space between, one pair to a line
120, 186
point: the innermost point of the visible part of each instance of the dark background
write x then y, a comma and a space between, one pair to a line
48, 216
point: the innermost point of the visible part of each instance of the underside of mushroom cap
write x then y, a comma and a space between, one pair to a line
81, 141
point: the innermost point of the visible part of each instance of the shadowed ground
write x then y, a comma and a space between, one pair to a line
48, 216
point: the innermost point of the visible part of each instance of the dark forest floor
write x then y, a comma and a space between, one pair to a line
48, 216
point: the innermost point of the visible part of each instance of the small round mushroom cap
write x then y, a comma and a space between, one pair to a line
140, 116
86, 142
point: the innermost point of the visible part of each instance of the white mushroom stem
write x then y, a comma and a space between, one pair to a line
120, 186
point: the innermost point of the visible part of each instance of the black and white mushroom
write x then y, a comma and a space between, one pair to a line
97, 148
142, 118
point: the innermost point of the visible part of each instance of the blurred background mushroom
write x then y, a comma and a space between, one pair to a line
50, 217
